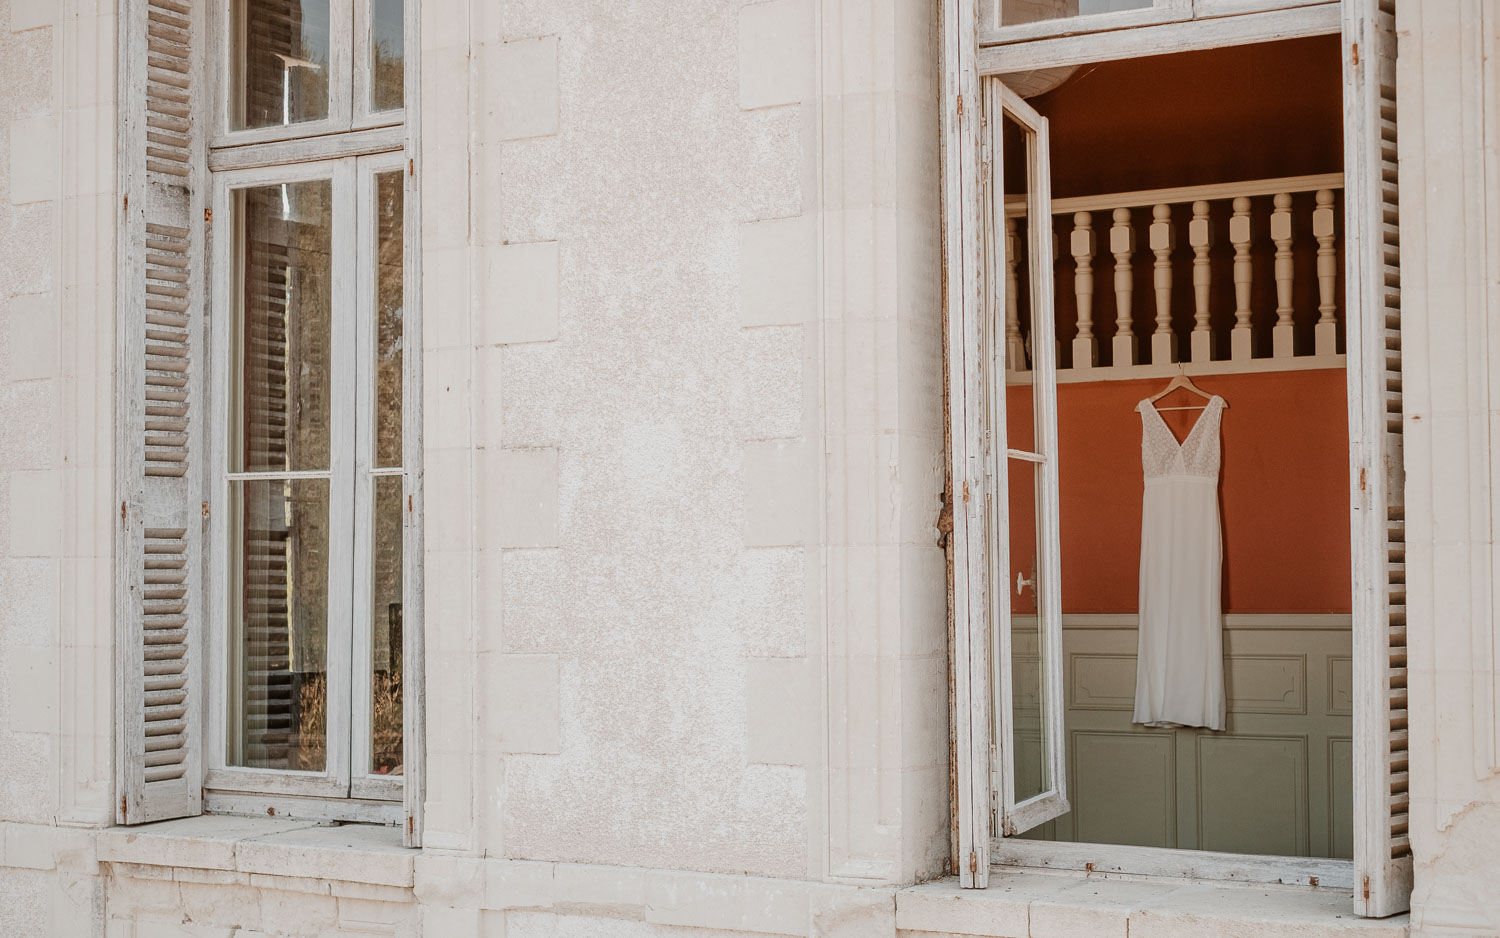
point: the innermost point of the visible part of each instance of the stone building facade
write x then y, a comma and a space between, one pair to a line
685, 623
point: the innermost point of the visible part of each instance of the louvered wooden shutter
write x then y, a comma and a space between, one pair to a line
159, 438
1383, 862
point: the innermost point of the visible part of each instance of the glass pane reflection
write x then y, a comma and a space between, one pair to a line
281, 62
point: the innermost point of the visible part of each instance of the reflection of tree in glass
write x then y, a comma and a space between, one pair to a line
387, 47
285, 57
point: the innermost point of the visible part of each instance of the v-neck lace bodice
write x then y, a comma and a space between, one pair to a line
1196, 455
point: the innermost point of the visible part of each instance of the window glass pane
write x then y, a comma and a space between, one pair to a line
281, 62
387, 64
279, 645
1026, 647
389, 311
286, 302
385, 645
1030, 11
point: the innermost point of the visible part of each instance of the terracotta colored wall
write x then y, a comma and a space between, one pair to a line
1283, 493
1195, 118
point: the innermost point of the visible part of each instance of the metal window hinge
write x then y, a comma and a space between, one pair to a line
208, 216
411, 167
122, 511
960, 105
205, 510
1354, 56
123, 817
973, 862
1367, 888
1361, 479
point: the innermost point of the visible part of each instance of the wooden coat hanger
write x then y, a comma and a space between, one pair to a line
1181, 380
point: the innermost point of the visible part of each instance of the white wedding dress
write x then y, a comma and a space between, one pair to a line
1180, 662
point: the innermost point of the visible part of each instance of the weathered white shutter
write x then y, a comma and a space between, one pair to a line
962, 284
1382, 850
159, 426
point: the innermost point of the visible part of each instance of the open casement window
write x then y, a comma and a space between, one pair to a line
1021, 504
159, 418
1008, 628
1382, 849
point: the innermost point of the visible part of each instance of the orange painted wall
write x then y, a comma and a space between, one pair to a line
1283, 491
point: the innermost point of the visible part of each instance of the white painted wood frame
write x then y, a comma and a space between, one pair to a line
1381, 871
1382, 850
963, 288
362, 784
224, 589
993, 28
414, 749
1186, 35
348, 70
1038, 456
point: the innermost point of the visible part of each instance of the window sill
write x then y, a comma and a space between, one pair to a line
358, 853
1030, 904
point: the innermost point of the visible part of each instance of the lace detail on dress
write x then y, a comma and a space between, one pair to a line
1198, 454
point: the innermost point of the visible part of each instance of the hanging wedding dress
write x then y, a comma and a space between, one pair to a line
1180, 663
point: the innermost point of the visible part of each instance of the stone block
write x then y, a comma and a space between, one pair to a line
778, 698
779, 271
35, 514
27, 846
297, 914
33, 336
32, 14
527, 715
452, 923
776, 53
520, 294
520, 88
33, 159
779, 510
525, 485
31, 682
163, 928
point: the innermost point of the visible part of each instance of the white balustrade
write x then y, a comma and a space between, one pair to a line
1201, 237
1015, 347
1251, 219
1281, 233
1122, 246
1163, 239
1085, 352
1325, 333
1239, 236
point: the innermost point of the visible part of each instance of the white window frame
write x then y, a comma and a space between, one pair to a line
973, 54
1015, 815
349, 57
993, 30
350, 148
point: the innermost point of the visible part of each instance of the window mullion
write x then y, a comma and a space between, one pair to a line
363, 266
342, 550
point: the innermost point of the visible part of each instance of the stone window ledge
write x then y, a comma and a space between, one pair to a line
356, 853
1035, 904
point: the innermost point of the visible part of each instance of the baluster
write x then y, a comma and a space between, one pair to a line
1085, 351
1325, 334
1200, 236
1239, 236
1015, 348
1281, 233
1163, 241
1122, 246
